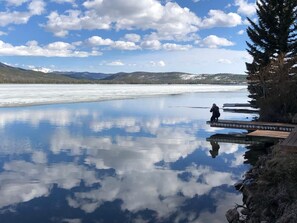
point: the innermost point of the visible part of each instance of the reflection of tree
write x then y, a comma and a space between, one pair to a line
254, 152
215, 148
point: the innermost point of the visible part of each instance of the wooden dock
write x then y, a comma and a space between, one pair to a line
252, 125
269, 134
274, 131
237, 105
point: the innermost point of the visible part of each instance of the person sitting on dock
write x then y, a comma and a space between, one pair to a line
215, 113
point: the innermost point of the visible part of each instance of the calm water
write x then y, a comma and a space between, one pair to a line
140, 160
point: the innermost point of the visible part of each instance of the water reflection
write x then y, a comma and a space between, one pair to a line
214, 148
115, 162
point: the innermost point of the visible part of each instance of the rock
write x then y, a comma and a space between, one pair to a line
232, 215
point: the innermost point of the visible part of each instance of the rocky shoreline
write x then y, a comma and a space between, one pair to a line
269, 190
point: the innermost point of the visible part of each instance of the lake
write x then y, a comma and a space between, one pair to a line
127, 160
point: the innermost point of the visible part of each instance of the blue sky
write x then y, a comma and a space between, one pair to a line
196, 36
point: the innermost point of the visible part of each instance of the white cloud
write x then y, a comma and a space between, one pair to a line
115, 63
55, 49
35, 7
176, 47
133, 37
123, 45
92, 3
218, 18
169, 20
99, 41
75, 20
151, 44
160, 63
225, 61
15, 2
64, 1
214, 41
245, 8
240, 32
3, 33
14, 17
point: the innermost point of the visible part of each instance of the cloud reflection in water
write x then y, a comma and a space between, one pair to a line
101, 154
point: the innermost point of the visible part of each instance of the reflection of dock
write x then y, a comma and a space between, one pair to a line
233, 138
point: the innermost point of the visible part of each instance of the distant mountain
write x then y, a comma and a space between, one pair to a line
10, 74
84, 75
175, 78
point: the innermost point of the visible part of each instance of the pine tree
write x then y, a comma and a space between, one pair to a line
273, 43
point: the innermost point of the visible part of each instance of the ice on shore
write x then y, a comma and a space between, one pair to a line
34, 94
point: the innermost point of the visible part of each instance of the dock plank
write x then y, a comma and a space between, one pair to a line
270, 134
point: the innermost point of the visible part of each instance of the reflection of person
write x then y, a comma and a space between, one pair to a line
215, 113
215, 148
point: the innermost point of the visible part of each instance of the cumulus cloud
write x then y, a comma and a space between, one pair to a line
55, 49
245, 8
151, 44
35, 7
99, 41
75, 20
119, 45
176, 47
160, 63
132, 37
64, 1
14, 17
214, 41
125, 45
170, 20
218, 18
115, 63
15, 2
240, 32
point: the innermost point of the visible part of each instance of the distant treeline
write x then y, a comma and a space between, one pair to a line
15, 75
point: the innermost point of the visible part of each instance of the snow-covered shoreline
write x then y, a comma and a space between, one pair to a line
37, 94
